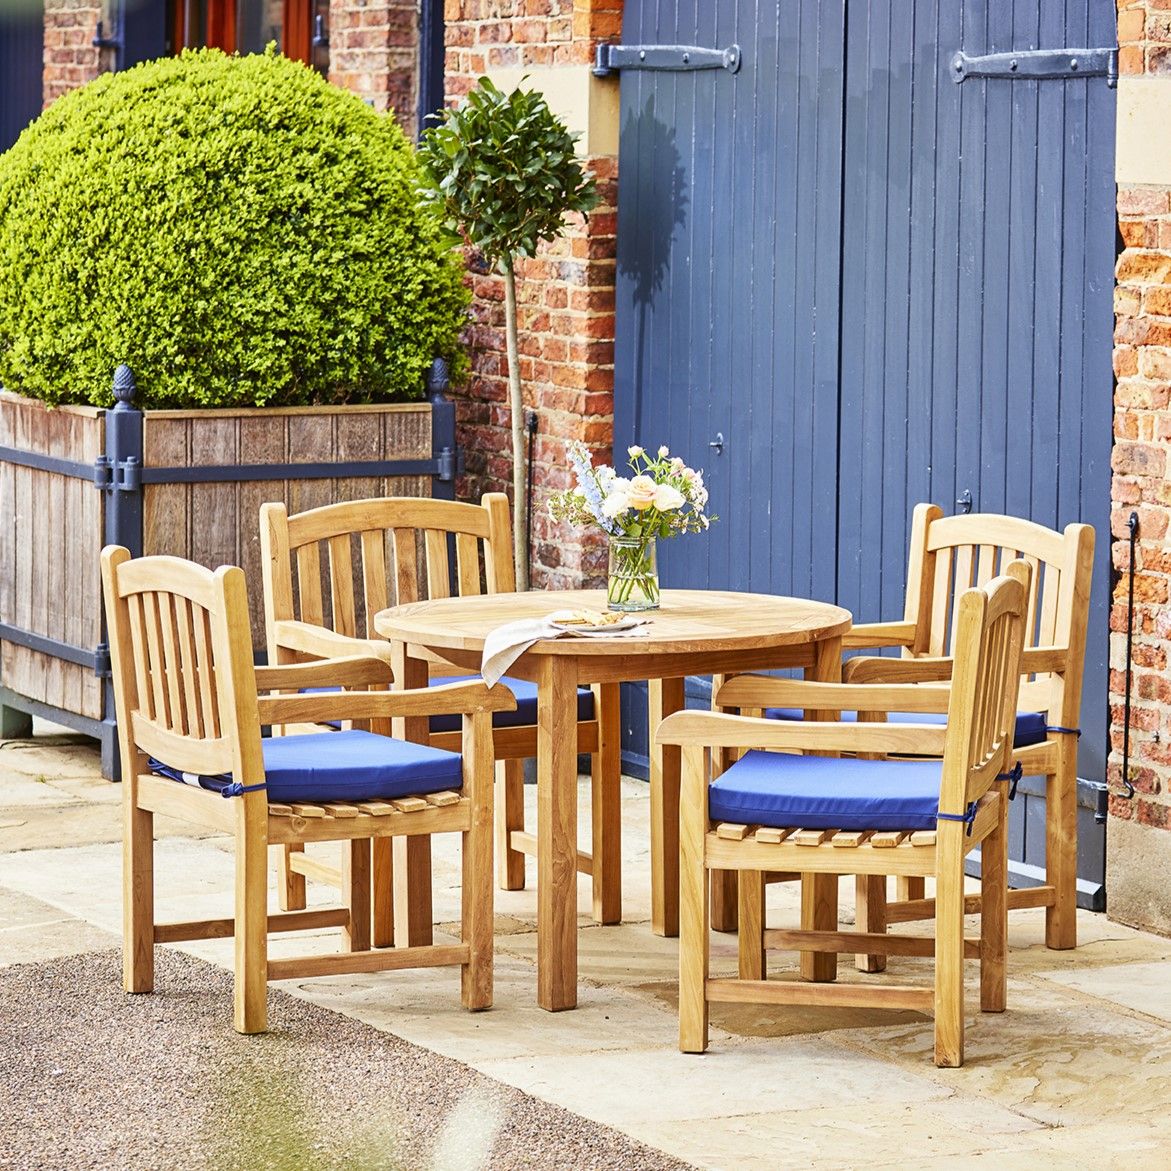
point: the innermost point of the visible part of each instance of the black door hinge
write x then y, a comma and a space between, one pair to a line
609, 59
1039, 65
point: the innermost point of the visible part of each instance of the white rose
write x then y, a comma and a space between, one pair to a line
615, 505
663, 452
667, 498
634, 451
641, 492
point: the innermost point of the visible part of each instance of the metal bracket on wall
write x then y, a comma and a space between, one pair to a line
1039, 65
676, 58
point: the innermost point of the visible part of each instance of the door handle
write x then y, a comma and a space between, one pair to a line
717, 444
964, 501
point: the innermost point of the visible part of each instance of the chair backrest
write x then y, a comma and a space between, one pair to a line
343, 553
950, 554
981, 718
181, 658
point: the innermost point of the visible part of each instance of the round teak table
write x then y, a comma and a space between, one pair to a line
695, 632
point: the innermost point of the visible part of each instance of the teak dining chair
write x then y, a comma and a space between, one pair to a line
367, 544
189, 720
776, 811
948, 554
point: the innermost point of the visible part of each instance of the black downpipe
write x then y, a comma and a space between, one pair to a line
531, 428
431, 61
1132, 525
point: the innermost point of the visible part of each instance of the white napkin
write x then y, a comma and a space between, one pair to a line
507, 643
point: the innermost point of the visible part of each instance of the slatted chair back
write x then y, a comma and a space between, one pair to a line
950, 554
989, 638
358, 557
181, 657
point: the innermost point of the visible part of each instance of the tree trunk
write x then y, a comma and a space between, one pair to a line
516, 408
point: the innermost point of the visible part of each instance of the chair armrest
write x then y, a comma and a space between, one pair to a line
935, 668
449, 699
353, 671
760, 691
719, 730
873, 634
1043, 659
321, 643
877, 669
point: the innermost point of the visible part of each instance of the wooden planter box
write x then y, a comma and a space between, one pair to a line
69, 483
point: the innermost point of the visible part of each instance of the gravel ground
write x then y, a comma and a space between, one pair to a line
93, 1078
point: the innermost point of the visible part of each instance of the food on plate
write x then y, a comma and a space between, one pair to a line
586, 617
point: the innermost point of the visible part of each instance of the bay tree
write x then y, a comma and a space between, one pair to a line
501, 171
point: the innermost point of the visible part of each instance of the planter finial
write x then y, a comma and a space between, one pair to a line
124, 386
438, 378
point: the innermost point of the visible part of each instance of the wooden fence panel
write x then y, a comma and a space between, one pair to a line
217, 524
51, 528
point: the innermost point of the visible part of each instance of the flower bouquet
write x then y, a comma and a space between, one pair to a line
662, 498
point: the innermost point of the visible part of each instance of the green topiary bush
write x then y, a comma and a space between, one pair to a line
237, 230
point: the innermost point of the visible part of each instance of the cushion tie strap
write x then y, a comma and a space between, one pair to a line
968, 817
1014, 774
1058, 728
235, 789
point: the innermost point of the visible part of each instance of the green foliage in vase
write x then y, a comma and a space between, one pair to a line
235, 229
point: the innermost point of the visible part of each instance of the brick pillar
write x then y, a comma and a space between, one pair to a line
566, 294
70, 58
374, 51
1139, 846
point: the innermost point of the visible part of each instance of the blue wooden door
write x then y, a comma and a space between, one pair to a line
21, 52
875, 285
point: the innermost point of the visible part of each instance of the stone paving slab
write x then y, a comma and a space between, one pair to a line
1076, 1073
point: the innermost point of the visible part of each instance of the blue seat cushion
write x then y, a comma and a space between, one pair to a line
526, 704
819, 792
1030, 726
343, 766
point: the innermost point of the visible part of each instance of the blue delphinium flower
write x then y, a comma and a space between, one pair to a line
583, 470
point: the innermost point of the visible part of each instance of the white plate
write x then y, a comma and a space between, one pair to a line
609, 628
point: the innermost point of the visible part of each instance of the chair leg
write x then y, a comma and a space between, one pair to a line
1061, 848
819, 912
251, 928
910, 887
356, 892
724, 899
949, 948
477, 925
994, 914
382, 888
606, 808
290, 885
724, 882
694, 911
138, 936
510, 815
750, 913
870, 916
413, 916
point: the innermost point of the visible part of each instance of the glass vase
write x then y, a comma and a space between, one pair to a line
633, 582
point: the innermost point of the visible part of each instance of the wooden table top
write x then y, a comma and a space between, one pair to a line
688, 622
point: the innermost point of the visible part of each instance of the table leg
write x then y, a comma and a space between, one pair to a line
557, 833
606, 796
666, 697
819, 892
412, 916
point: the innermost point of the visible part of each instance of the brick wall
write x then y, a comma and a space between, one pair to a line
1139, 850
374, 52
565, 295
70, 58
